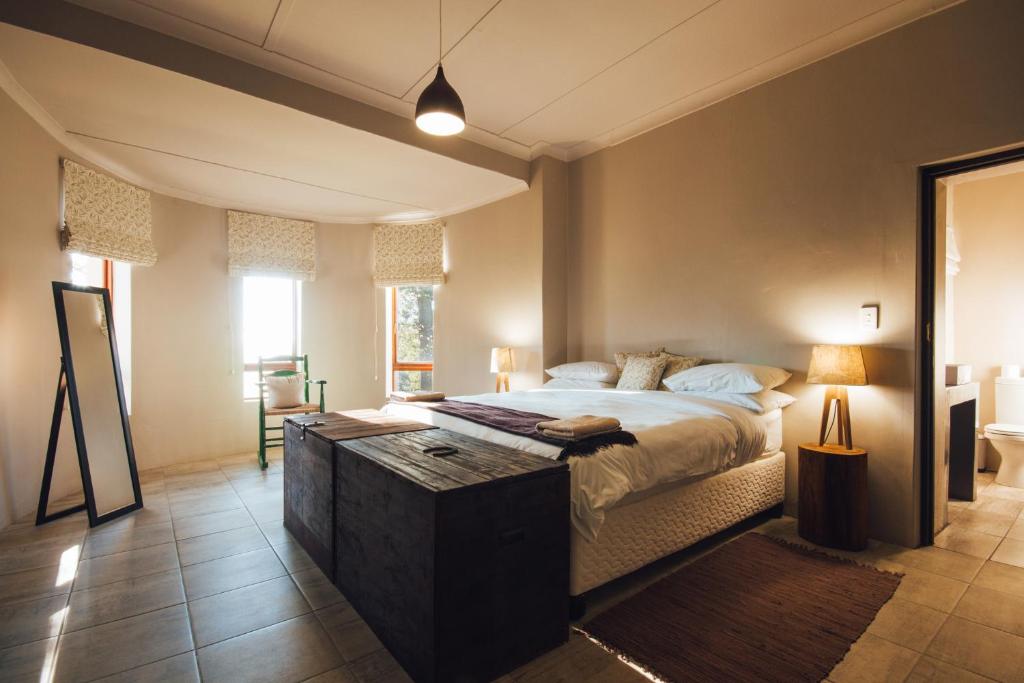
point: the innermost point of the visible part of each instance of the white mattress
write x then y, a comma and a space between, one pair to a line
679, 438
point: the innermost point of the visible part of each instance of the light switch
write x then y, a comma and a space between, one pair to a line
869, 317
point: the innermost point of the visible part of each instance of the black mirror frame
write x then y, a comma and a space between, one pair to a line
76, 415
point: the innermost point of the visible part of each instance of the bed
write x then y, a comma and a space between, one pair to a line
699, 466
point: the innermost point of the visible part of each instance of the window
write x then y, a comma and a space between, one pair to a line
271, 320
412, 337
116, 277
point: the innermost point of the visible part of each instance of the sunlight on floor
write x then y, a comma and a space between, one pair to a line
68, 565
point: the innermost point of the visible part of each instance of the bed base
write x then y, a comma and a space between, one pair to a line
636, 534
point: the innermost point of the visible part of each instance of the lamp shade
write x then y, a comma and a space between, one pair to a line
837, 365
501, 359
439, 109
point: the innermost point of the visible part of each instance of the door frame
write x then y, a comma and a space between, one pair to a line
927, 260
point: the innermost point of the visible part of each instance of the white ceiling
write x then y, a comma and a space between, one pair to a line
192, 139
564, 78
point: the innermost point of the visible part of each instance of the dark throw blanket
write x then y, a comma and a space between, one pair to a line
521, 423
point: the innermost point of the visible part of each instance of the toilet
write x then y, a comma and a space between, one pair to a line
1006, 435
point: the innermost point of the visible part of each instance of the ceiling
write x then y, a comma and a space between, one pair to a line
563, 78
188, 138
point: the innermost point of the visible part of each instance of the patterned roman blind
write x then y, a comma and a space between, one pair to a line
265, 245
410, 254
105, 217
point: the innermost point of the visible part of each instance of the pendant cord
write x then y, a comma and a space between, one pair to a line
440, 32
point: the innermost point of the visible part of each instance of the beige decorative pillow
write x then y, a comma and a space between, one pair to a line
285, 391
675, 363
622, 356
642, 372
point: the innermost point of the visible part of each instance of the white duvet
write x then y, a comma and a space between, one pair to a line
677, 438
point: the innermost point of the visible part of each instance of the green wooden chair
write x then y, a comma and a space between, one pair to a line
283, 366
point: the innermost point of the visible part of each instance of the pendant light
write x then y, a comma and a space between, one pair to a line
439, 110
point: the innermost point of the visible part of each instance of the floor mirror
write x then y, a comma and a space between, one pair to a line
90, 377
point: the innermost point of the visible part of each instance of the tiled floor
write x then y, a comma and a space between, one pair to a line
205, 580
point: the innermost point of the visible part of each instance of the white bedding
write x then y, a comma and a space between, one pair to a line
678, 438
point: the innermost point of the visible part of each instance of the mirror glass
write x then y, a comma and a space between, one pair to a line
91, 360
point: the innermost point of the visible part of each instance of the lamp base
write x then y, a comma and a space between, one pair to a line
501, 379
845, 434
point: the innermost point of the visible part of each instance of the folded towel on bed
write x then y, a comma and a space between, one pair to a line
579, 427
413, 396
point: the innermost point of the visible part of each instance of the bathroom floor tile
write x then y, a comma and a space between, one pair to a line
200, 525
221, 544
226, 615
228, 573
126, 565
981, 649
23, 622
931, 670
1003, 611
967, 541
996, 490
940, 561
1010, 551
177, 669
930, 590
122, 599
1017, 530
907, 623
997, 506
994, 523
121, 645
1001, 577
255, 656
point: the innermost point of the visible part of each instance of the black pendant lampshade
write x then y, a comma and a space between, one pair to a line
439, 109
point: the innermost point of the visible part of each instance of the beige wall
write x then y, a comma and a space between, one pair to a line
759, 226
988, 217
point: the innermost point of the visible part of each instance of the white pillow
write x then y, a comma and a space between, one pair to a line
565, 383
762, 402
286, 391
730, 378
588, 369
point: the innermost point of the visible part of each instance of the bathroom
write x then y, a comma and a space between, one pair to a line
981, 339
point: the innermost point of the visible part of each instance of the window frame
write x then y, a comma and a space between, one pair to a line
396, 365
296, 327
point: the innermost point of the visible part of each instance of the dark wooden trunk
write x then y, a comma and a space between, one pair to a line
460, 563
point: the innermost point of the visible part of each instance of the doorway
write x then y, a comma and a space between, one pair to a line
945, 454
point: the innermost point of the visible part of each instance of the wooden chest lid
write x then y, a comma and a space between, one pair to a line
477, 462
353, 424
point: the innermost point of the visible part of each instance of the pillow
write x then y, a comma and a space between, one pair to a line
642, 372
590, 370
730, 378
761, 402
622, 356
286, 391
566, 383
675, 364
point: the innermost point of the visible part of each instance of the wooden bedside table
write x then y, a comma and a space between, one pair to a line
833, 489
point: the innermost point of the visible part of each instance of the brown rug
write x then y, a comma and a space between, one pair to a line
756, 609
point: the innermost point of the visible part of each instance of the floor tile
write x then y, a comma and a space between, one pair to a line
31, 662
126, 565
930, 590
228, 573
339, 675
996, 490
275, 532
1017, 530
130, 538
147, 515
940, 561
993, 523
24, 622
177, 669
37, 554
967, 541
220, 544
195, 467
1010, 551
993, 608
931, 670
907, 623
353, 638
1001, 577
981, 649
266, 482
319, 591
17, 535
998, 506
37, 583
122, 599
200, 525
577, 660
202, 505
293, 556
226, 615
379, 667
874, 659
121, 645
256, 656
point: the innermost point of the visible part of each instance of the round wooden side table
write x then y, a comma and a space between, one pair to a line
833, 507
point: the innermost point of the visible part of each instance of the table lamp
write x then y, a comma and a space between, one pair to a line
838, 367
502, 363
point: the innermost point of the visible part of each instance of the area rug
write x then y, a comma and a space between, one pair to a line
755, 609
